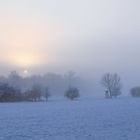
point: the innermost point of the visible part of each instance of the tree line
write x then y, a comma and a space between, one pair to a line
12, 94
15, 88
35, 94
40, 92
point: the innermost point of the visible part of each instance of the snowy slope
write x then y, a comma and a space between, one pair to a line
84, 119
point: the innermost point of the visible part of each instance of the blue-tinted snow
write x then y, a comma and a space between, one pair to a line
84, 119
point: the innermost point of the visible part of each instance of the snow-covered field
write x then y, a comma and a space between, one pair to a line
84, 119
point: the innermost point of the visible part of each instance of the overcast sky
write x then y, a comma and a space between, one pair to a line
87, 36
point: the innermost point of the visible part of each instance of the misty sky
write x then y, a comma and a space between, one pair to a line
88, 36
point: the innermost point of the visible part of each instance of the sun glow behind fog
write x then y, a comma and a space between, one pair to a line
27, 43
21, 44
23, 59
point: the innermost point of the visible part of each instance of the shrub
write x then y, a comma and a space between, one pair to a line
72, 93
135, 92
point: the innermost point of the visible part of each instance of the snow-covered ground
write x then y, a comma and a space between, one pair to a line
84, 119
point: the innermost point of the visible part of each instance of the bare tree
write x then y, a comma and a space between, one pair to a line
46, 93
70, 78
112, 83
36, 92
